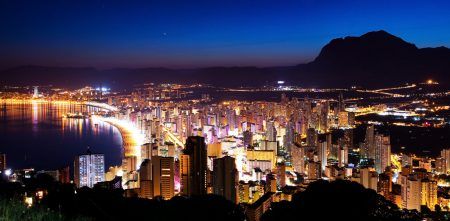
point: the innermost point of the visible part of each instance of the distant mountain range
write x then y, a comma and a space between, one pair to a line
371, 60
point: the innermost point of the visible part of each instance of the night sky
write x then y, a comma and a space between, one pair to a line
178, 34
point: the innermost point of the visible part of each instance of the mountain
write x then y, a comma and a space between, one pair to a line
378, 58
371, 60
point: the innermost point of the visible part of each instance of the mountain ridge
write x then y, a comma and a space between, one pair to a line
343, 62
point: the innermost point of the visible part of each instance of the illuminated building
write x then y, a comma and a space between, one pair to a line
244, 192
255, 210
429, 193
271, 183
262, 155
343, 119
322, 154
163, 176
129, 163
271, 132
311, 137
440, 165
382, 152
368, 148
445, 154
412, 199
145, 180
314, 170
156, 178
348, 138
89, 169
147, 150
407, 160
225, 178
384, 185
214, 150
247, 138
289, 136
298, 158
368, 178
342, 155
281, 174
194, 167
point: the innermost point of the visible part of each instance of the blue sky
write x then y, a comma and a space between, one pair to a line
180, 34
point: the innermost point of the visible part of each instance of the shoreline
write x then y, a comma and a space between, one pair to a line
132, 139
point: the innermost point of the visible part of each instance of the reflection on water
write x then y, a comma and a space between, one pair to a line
36, 135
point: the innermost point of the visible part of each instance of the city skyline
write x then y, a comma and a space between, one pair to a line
225, 110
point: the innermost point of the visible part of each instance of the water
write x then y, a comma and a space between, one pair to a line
35, 135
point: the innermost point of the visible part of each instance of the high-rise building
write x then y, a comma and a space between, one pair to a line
429, 193
343, 155
163, 176
348, 138
244, 192
271, 183
225, 178
385, 185
89, 169
413, 194
271, 132
311, 137
298, 159
314, 170
145, 179
147, 151
156, 178
248, 138
382, 152
440, 165
322, 154
281, 174
368, 178
194, 167
343, 120
445, 153
368, 148
129, 163
341, 103
289, 136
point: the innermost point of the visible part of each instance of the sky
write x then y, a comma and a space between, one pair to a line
188, 34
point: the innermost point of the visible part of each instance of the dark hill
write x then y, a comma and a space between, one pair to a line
376, 59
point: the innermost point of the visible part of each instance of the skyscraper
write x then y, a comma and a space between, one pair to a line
89, 169
429, 193
163, 176
322, 153
194, 166
225, 178
311, 137
368, 149
157, 177
145, 179
413, 195
445, 154
382, 152
298, 158
271, 133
